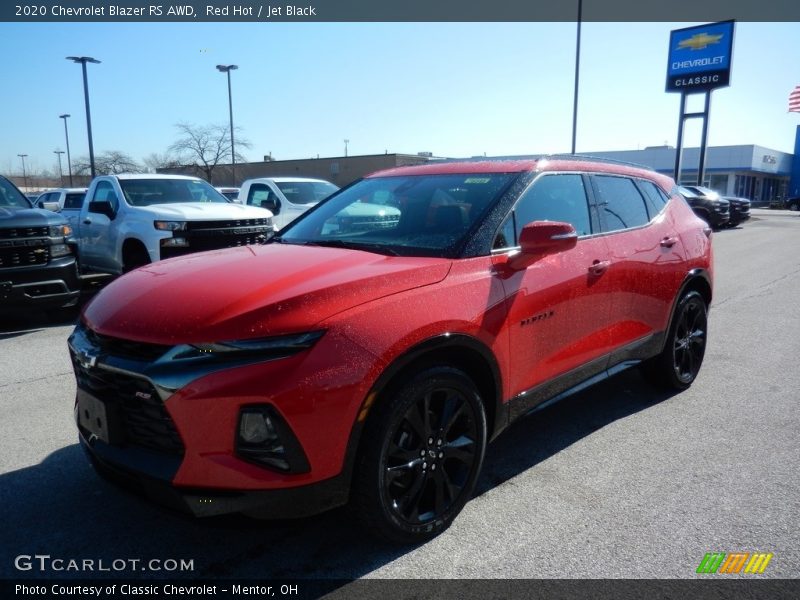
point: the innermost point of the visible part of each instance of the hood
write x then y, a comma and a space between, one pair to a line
250, 292
204, 211
28, 217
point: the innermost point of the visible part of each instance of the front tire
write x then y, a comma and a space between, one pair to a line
420, 456
134, 256
678, 364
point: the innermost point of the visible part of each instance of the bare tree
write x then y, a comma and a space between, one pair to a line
206, 147
107, 163
155, 161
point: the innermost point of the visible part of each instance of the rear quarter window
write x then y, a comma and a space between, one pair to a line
620, 203
654, 196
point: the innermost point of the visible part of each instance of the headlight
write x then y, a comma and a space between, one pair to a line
170, 225
60, 231
271, 347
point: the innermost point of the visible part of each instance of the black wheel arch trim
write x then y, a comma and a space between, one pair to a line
691, 277
410, 356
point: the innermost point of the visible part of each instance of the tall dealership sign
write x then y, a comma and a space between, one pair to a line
699, 61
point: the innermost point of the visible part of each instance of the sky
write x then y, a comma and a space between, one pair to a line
453, 89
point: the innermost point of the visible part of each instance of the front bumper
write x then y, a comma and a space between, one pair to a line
718, 218
738, 215
178, 426
149, 475
52, 285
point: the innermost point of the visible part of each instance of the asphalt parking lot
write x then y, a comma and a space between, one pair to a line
618, 481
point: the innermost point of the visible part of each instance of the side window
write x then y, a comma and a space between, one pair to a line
105, 191
555, 198
505, 238
621, 204
74, 201
655, 197
259, 193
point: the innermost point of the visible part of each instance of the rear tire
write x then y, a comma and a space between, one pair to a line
420, 456
678, 364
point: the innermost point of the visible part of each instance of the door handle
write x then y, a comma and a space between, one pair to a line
599, 267
87, 221
669, 242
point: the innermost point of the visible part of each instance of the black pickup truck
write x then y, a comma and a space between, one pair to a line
37, 257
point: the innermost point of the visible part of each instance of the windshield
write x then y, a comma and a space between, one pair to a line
306, 192
11, 197
422, 215
144, 192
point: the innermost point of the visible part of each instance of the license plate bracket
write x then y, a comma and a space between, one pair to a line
99, 418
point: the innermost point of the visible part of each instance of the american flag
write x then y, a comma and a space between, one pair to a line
794, 100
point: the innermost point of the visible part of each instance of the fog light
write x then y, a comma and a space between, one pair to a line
256, 428
264, 438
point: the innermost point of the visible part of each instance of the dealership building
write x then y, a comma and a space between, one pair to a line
749, 171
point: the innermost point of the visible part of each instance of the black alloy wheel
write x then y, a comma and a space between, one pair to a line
678, 364
689, 340
421, 456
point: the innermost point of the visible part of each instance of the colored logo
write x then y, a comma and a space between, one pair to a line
733, 562
699, 41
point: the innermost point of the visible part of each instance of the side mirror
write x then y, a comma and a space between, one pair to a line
53, 206
102, 207
543, 237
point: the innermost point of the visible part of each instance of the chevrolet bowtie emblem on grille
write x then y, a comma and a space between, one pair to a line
85, 359
699, 41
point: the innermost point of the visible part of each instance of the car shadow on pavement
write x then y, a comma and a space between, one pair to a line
543, 434
62, 508
18, 323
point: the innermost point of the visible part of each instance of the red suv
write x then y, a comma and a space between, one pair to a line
373, 363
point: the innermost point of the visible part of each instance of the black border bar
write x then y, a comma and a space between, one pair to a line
710, 586
265, 11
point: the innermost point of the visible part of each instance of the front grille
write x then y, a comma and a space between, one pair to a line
214, 235
200, 225
139, 409
125, 348
19, 246
15, 256
24, 232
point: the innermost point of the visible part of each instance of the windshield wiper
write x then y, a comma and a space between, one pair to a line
351, 245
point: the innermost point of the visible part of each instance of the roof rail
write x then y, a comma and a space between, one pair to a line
596, 159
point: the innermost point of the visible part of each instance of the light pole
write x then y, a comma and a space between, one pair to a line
24, 176
227, 69
83, 60
345, 146
60, 172
66, 134
577, 76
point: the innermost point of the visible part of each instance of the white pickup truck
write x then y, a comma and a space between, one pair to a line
286, 197
127, 221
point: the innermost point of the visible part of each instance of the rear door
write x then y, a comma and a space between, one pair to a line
558, 307
646, 257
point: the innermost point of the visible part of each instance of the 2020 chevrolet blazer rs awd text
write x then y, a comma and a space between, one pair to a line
372, 364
